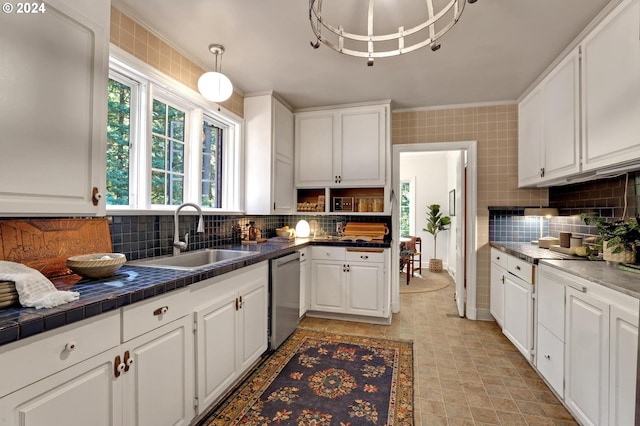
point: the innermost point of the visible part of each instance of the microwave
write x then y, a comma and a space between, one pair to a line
342, 204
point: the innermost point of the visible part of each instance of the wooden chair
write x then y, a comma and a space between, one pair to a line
408, 252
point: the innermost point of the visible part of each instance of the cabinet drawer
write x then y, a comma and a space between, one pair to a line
31, 359
148, 315
499, 258
365, 255
520, 268
550, 359
327, 253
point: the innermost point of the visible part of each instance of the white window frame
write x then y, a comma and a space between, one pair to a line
153, 83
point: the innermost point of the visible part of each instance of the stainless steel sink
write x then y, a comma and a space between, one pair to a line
192, 260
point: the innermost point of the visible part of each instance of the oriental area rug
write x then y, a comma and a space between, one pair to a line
318, 378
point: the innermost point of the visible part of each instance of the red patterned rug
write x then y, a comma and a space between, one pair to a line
318, 378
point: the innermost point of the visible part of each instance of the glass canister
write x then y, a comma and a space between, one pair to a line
363, 205
378, 204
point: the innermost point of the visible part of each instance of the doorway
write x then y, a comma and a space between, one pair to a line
463, 200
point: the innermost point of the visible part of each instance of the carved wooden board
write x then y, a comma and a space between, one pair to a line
45, 244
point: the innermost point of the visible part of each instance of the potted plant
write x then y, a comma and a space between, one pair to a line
617, 238
436, 222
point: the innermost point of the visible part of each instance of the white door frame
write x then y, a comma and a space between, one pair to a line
471, 218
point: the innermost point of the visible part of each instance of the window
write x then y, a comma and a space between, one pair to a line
167, 154
121, 92
166, 144
407, 207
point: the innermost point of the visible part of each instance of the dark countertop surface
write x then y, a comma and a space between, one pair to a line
133, 284
531, 252
596, 271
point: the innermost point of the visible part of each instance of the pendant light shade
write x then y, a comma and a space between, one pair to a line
214, 85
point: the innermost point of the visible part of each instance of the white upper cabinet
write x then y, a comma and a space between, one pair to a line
53, 80
269, 156
341, 147
611, 89
548, 132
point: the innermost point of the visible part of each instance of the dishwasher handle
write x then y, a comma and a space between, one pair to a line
292, 257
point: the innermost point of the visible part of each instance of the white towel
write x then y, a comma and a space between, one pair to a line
34, 289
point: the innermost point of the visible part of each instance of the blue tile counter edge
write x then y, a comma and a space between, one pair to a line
132, 284
600, 272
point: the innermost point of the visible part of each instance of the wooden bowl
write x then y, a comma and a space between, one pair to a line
96, 265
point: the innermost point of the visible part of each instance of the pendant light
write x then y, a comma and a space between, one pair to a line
214, 85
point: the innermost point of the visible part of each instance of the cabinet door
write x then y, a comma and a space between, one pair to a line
550, 359
611, 89
587, 357
314, 148
328, 286
253, 322
282, 178
53, 109
87, 393
158, 387
518, 314
497, 293
365, 289
530, 138
362, 147
623, 366
550, 304
561, 122
216, 342
305, 282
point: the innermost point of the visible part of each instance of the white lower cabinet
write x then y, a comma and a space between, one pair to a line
518, 315
145, 380
498, 276
350, 281
623, 350
587, 357
600, 331
231, 329
84, 394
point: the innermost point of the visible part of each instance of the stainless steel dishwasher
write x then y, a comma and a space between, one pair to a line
285, 298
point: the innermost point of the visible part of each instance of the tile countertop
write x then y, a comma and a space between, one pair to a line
599, 272
133, 284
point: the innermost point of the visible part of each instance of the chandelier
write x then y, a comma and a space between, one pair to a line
437, 21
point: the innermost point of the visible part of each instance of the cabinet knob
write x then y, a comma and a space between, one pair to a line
128, 361
547, 357
96, 196
118, 366
161, 311
70, 346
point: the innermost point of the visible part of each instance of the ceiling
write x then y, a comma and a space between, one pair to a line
493, 54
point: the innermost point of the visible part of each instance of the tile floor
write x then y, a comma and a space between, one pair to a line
466, 372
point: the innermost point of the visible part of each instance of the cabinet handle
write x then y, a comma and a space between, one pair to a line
547, 357
497, 257
70, 346
118, 366
96, 196
502, 279
241, 302
344, 268
237, 304
364, 257
161, 311
518, 268
128, 361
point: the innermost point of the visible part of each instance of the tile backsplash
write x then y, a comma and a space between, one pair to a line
139, 237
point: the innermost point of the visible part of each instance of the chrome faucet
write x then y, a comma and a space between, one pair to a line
182, 245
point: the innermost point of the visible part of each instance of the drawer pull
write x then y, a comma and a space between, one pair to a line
547, 357
364, 257
70, 346
161, 311
517, 267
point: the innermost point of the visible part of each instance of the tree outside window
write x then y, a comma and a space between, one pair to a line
167, 154
118, 143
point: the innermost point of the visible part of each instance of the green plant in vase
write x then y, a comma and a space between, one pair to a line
616, 238
436, 222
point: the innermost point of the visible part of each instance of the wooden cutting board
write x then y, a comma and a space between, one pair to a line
45, 244
376, 231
